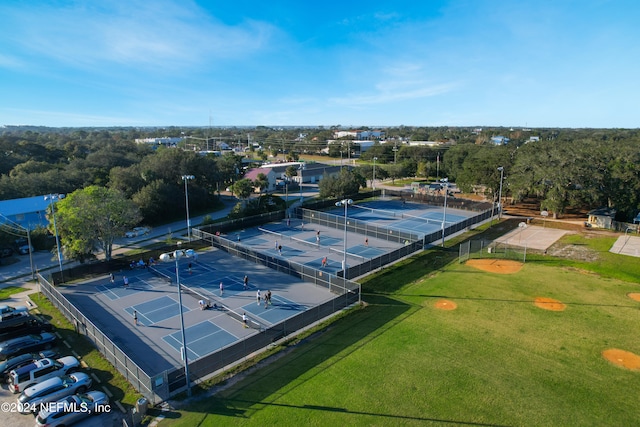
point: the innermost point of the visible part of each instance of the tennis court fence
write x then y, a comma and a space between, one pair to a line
137, 377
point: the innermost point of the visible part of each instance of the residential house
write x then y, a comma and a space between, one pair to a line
269, 173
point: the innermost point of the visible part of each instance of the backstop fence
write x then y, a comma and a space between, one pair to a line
483, 249
114, 354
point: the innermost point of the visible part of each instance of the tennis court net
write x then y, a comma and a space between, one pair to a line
160, 274
349, 254
390, 214
283, 238
399, 215
217, 305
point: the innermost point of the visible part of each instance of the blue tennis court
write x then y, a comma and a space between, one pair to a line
231, 285
402, 216
156, 310
365, 251
116, 290
202, 338
332, 266
280, 309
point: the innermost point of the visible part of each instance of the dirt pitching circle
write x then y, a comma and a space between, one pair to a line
445, 304
622, 358
634, 296
549, 304
500, 266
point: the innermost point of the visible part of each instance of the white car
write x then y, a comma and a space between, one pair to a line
72, 409
8, 310
136, 232
31, 399
37, 372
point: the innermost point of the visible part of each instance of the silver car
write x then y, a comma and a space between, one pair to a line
7, 309
72, 409
51, 390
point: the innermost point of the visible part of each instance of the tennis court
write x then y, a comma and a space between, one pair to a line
155, 343
310, 244
405, 216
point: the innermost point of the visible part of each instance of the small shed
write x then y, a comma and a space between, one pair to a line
601, 218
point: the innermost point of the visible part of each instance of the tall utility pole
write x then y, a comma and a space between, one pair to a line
395, 152
501, 169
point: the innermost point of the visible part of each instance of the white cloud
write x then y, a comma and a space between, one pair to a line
151, 34
399, 82
14, 116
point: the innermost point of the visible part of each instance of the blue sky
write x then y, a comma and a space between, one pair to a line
353, 63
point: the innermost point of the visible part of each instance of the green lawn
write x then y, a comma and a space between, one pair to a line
495, 360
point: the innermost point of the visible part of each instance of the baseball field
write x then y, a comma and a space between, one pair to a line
553, 342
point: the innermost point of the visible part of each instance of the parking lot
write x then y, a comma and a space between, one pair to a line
11, 417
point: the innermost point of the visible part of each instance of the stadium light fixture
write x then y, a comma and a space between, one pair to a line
501, 169
175, 257
373, 181
345, 203
187, 178
445, 185
51, 198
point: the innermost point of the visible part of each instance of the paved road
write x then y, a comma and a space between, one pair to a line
19, 272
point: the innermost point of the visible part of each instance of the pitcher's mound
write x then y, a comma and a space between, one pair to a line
445, 304
550, 304
634, 296
500, 266
626, 359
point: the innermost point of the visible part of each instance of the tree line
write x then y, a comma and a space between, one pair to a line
584, 168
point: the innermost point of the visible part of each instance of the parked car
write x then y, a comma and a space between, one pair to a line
6, 309
4, 318
70, 409
23, 359
6, 252
26, 344
25, 249
29, 325
22, 246
136, 232
52, 390
43, 369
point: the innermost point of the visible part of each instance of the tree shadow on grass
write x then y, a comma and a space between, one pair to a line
267, 384
304, 361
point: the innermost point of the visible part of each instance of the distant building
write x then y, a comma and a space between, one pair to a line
168, 141
29, 212
601, 218
359, 135
308, 173
269, 173
425, 143
499, 140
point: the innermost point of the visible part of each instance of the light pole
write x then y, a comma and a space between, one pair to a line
187, 178
301, 169
445, 185
373, 181
345, 203
167, 257
501, 169
51, 198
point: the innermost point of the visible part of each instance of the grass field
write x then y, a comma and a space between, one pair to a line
495, 360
